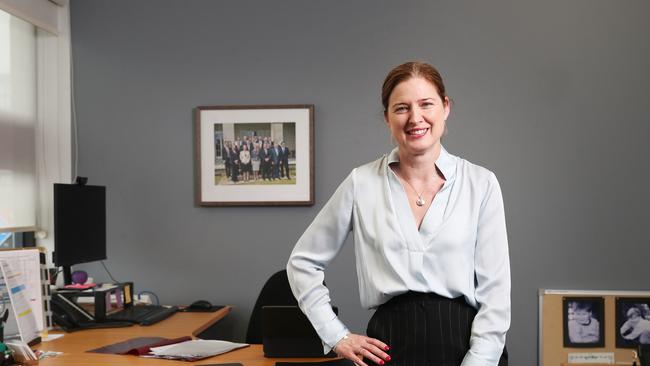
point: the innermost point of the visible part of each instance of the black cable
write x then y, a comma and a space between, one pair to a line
109, 272
54, 274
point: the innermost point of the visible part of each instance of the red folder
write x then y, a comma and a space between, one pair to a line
138, 346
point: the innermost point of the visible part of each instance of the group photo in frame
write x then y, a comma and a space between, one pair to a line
258, 155
632, 321
583, 322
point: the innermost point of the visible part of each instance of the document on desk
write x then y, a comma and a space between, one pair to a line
24, 266
194, 350
15, 281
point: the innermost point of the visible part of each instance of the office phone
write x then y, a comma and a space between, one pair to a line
71, 317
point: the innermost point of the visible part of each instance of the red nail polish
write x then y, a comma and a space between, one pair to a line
387, 348
387, 358
381, 362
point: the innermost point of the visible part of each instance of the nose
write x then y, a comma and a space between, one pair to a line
416, 114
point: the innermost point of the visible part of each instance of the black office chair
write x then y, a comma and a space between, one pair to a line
276, 291
643, 353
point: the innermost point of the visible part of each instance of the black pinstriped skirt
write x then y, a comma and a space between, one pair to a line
425, 329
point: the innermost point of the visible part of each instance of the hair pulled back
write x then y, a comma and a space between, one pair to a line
409, 70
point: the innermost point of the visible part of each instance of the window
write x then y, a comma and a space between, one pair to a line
35, 115
18, 121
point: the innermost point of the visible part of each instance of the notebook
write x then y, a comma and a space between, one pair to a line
286, 332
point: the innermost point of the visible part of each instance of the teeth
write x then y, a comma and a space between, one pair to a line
420, 131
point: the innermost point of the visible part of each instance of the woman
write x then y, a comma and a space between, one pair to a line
430, 244
255, 161
245, 157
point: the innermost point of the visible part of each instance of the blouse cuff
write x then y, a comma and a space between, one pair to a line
483, 353
328, 326
339, 336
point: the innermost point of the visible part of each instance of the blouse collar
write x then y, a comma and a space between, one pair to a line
446, 162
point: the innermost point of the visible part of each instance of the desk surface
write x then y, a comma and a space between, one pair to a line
74, 345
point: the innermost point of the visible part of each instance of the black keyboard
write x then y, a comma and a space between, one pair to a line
143, 314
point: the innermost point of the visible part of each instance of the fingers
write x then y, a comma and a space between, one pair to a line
355, 348
351, 355
372, 356
381, 345
375, 354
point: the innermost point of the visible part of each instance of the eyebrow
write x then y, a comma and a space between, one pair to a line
419, 100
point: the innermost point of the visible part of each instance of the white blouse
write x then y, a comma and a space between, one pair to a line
461, 249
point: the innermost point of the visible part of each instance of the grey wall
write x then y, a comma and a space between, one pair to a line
550, 95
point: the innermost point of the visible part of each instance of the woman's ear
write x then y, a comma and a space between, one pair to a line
447, 107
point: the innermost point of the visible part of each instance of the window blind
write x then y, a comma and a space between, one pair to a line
17, 123
41, 13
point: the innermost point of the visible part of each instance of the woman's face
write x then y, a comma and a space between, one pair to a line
416, 115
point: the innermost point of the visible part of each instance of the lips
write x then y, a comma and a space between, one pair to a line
417, 132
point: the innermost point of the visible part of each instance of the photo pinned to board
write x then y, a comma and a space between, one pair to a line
632, 321
583, 322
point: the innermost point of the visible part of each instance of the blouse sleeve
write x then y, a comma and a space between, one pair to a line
492, 271
319, 244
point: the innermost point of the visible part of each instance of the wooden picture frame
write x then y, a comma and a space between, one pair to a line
583, 320
280, 174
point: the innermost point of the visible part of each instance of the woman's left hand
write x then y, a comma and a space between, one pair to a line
355, 347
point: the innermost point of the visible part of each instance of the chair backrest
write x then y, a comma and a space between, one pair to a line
276, 291
643, 352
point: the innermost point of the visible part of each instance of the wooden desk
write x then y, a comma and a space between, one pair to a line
74, 345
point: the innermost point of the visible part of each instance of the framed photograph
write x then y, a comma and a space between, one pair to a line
259, 155
584, 322
632, 321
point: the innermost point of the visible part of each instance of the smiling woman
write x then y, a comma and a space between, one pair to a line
416, 112
430, 243
415, 109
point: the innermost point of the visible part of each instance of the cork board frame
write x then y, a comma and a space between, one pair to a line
551, 350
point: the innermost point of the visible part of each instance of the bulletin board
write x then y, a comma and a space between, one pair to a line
552, 327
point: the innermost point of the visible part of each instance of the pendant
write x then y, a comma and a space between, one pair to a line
420, 201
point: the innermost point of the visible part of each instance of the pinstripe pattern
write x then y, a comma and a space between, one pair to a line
425, 330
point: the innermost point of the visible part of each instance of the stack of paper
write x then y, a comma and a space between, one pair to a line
22, 352
194, 350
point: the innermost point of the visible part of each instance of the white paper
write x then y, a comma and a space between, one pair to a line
27, 263
51, 337
196, 348
606, 358
22, 352
15, 281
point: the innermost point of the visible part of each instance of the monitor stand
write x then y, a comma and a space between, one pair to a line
67, 275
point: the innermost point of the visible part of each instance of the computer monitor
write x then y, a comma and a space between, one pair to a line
79, 225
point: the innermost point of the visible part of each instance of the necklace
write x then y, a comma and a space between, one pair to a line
420, 201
